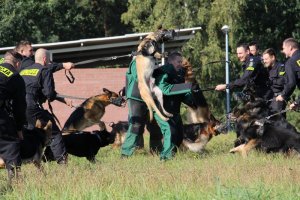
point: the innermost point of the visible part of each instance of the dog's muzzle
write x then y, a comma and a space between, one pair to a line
118, 101
165, 35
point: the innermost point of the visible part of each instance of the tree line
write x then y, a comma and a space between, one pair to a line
267, 22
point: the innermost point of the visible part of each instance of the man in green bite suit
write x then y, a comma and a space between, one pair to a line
138, 117
170, 79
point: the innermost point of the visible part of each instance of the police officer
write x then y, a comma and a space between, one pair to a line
39, 88
12, 112
276, 79
24, 48
254, 49
290, 48
254, 73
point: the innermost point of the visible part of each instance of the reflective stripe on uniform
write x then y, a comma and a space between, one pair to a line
5, 71
250, 68
29, 72
281, 73
298, 62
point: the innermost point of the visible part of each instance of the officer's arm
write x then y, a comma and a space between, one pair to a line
48, 84
244, 79
54, 67
171, 89
19, 102
290, 85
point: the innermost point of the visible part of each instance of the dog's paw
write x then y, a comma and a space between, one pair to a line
169, 115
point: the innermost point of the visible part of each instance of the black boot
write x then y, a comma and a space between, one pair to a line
63, 160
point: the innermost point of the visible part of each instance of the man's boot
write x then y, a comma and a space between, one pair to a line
63, 160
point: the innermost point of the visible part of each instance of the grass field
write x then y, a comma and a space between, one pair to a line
213, 175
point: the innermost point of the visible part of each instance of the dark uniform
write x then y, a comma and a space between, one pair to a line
39, 88
277, 81
171, 83
12, 114
292, 70
254, 74
28, 61
138, 117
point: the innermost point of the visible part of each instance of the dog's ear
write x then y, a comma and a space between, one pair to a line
38, 124
106, 91
48, 126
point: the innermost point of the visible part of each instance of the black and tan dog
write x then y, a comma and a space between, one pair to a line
91, 111
33, 143
84, 144
147, 52
256, 130
196, 136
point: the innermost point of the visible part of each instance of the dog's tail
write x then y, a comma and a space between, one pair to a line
145, 92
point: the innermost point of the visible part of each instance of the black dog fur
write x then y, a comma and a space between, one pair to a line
84, 144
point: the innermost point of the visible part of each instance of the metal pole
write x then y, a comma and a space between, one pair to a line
225, 30
162, 51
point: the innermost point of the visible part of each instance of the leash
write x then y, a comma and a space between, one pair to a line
70, 97
52, 113
278, 113
69, 76
103, 59
208, 89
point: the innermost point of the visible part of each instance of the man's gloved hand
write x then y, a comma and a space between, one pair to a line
195, 87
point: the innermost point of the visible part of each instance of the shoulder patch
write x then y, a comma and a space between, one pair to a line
281, 73
5, 71
250, 68
29, 72
298, 62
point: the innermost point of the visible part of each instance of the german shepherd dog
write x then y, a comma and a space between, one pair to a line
196, 136
119, 130
147, 52
84, 144
91, 111
201, 112
33, 143
255, 130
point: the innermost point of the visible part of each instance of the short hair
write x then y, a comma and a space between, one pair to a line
254, 43
244, 46
21, 44
173, 55
270, 51
291, 42
40, 54
13, 56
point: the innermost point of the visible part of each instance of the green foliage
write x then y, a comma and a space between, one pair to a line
54, 20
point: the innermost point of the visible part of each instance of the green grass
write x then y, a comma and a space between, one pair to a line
213, 175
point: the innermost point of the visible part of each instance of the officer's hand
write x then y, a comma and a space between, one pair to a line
293, 106
20, 135
220, 87
68, 102
68, 65
279, 98
195, 87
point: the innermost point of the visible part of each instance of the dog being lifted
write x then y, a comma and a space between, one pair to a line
91, 111
147, 52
